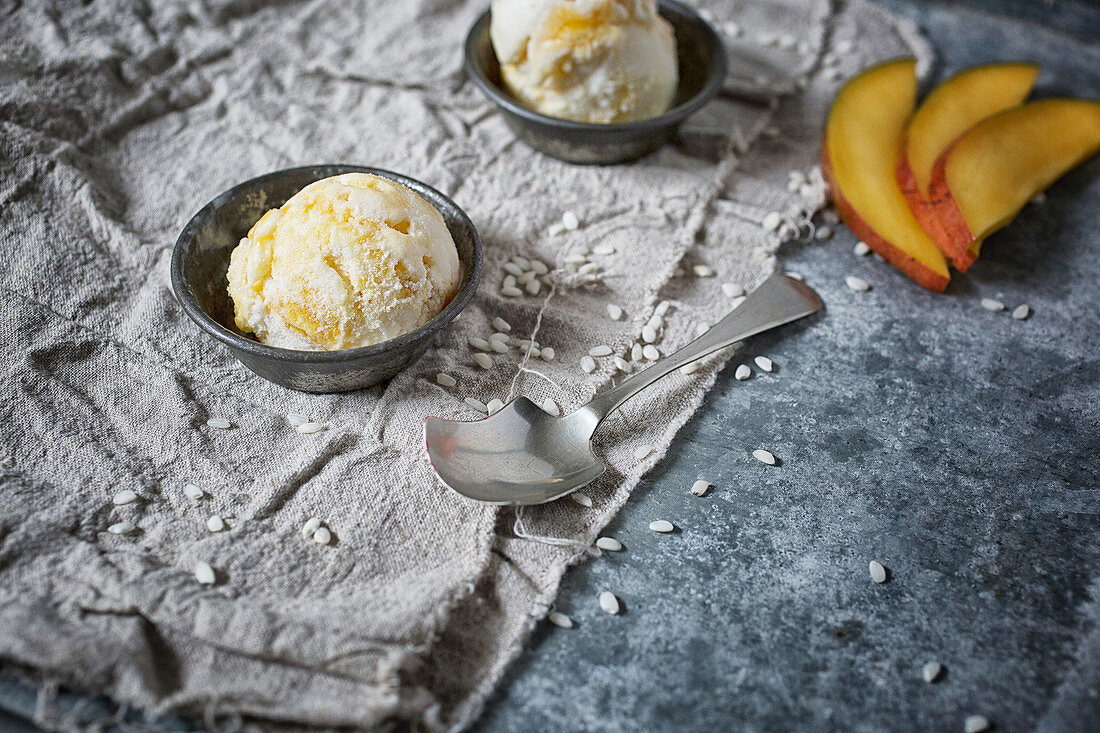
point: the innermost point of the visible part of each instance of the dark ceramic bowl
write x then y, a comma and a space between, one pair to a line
702, 60
201, 259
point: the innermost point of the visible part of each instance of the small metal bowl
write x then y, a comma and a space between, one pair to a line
702, 62
200, 262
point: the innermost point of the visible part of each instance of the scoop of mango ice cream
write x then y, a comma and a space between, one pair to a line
586, 60
348, 261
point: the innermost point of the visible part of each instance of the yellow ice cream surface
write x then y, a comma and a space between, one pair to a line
348, 261
588, 60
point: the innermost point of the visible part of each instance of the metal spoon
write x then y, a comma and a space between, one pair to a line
523, 455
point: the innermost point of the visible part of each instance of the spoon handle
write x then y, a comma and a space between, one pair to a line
778, 300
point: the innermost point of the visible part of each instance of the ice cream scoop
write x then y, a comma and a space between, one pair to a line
351, 260
596, 61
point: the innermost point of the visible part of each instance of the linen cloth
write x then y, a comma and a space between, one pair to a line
118, 120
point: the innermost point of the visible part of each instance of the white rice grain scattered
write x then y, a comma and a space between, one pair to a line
533, 287
772, 221
702, 328
862, 249
310, 428
700, 488
484, 360
614, 312
494, 405
650, 352
1021, 312
622, 364
547, 354
930, 671
550, 407
703, 271
215, 523
511, 292
662, 525
656, 322
445, 380
522, 261
691, 367
193, 492
126, 496
609, 603
476, 404
794, 276
601, 350
574, 258
322, 536
743, 372
637, 352
824, 232
509, 281
877, 571
603, 249
219, 422
662, 308
857, 284
539, 267
590, 268
500, 346
512, 269
992, 304
556, 229
295, 419
732, 290
121, 528
570, 221
204, 573
583, 499
560, 620
502, 325
609, 544
975, 724
588, 364
642, 452
312, 525
764, 363
649, 334
479, 343
764, 456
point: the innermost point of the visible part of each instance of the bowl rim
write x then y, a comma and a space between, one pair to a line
187, 299
715, 79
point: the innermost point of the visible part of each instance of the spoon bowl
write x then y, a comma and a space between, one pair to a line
523, 455
519, 455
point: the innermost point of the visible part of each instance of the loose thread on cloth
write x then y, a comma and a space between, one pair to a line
519, 527
520, 369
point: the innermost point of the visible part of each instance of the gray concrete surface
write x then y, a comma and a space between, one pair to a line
957, 447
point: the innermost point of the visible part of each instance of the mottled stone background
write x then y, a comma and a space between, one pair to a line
957, 447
